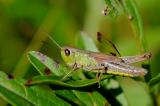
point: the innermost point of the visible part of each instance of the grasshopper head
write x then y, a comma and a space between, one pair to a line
68, 54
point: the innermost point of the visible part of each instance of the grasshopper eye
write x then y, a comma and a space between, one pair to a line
67, 52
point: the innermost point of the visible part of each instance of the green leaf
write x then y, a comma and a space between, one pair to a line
154, 80
70, 83
135, 91
16, 93
84, 97
98, 99
42, 63
69, 96
91, 98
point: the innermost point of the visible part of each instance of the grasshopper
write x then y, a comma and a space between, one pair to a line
111, 63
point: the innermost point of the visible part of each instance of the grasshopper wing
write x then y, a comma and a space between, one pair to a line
106, 46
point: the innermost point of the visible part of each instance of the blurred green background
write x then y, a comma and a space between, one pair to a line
24, 25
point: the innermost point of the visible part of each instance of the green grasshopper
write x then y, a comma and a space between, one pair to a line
102, 63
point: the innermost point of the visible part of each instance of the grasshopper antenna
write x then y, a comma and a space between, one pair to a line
54, 41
